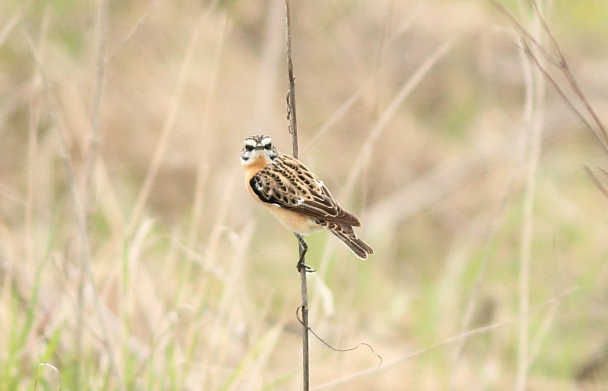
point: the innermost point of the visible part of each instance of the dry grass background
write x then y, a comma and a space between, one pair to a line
178, 282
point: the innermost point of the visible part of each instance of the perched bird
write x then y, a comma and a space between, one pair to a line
296, 196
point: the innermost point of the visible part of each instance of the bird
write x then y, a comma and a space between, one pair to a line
296, 196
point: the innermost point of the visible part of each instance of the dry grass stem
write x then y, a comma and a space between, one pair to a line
480, 330
293, 130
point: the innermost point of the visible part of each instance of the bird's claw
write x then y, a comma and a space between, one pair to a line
307, 269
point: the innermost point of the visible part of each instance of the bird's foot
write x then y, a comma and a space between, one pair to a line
302, 265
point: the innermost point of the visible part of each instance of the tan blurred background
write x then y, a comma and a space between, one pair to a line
418, 117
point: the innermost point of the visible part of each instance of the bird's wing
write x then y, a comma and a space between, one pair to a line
289, 184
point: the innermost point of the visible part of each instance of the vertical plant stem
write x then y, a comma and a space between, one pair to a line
533, 119
293, 130
291, 95
86, 197
305, 348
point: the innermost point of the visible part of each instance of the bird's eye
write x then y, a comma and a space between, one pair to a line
248, 147
268, 146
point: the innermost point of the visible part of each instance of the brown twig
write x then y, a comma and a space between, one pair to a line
293, 130
558, 60
597, 181
565, 68
291, 94
324, 342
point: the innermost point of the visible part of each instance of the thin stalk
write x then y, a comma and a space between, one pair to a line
293, 130
533, 120
291, 95
85, 271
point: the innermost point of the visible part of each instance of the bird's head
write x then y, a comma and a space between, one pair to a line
256, 147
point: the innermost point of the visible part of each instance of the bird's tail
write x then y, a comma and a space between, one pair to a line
346, 234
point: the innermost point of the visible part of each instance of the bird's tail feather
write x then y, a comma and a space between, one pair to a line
347, 235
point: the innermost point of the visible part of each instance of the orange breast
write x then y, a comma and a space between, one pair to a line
254, 166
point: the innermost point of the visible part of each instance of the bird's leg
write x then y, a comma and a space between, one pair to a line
303, 247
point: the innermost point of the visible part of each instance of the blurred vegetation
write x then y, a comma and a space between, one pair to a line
177, 281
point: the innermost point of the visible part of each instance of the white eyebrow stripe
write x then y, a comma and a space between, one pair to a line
250, 142
266, 140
